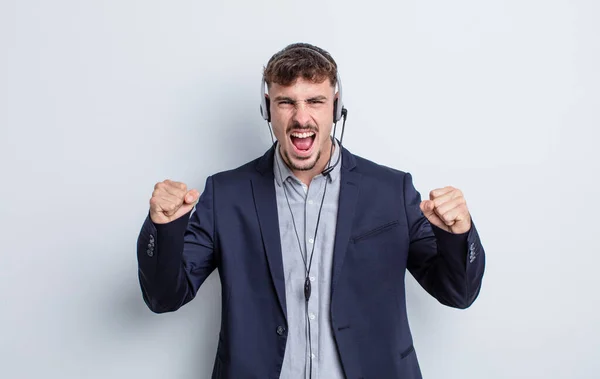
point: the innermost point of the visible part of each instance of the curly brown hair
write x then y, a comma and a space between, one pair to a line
300, 60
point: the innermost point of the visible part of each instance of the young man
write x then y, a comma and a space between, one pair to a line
312, 244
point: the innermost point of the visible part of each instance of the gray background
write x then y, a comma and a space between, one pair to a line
100, 100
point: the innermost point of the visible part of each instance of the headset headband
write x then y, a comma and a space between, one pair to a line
338, 104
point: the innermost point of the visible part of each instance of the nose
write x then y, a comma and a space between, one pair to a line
301, 114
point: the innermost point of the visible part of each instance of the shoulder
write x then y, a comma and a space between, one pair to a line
380, 178
376, 171
238, 175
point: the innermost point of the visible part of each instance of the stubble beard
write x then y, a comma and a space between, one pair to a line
306, 167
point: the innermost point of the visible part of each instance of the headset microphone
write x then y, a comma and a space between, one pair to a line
339, 112
329, 169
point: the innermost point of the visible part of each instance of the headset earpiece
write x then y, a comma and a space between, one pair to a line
265, 110
268, 108
335, 112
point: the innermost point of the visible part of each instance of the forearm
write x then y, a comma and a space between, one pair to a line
454, 274
161, 271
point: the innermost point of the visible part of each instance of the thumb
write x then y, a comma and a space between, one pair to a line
191, 196
426, 207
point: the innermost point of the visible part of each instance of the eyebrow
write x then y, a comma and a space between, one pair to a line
285, 98
317, 98
314, 98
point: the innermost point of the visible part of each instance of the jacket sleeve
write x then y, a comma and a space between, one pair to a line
448, 266
174, 259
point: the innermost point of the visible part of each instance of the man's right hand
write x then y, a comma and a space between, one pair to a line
171, 200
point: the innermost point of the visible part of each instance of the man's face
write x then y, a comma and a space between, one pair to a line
302, 118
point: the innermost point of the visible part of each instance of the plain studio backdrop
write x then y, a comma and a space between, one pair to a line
101, 100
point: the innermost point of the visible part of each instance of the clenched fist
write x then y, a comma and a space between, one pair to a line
447, 209
171, 200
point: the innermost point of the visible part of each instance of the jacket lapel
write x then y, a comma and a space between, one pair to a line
263, 188
349, 189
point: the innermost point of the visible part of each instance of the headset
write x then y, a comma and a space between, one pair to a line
339, 110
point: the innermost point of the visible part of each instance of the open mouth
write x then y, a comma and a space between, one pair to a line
303, 142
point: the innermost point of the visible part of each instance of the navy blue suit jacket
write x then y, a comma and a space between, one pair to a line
381, 232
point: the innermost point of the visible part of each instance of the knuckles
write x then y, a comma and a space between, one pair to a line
165, 185
170, 183
449, 191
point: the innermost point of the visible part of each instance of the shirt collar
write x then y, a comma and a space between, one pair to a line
282, 170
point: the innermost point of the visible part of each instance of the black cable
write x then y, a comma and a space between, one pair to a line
308, 267
326, 172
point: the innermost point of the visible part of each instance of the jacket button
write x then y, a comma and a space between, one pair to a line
281, 330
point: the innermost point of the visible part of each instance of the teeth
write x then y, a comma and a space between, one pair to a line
303, 135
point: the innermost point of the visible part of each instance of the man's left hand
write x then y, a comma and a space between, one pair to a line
447, 209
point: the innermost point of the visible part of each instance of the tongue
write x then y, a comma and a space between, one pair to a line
302, 143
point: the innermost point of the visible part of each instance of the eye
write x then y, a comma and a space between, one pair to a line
286, 102
316, 101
